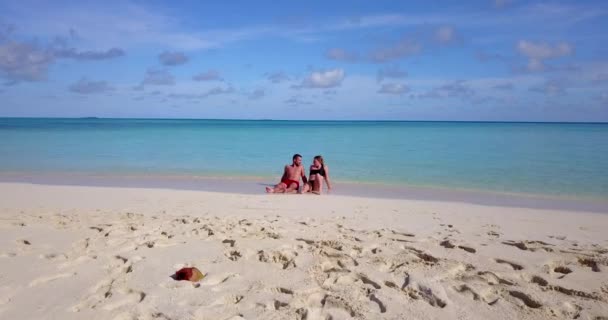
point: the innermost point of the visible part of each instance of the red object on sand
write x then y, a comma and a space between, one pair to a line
183, 274
190, 274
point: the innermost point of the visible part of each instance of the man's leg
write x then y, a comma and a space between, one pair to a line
279, 188
293, 187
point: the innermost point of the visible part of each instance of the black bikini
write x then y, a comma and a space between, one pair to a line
318, 171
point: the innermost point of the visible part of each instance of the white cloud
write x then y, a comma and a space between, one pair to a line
341, 55
297, 101
550, 88
543, 50
392, 72
210, 92
158, 77
502, 3
209, 75
168, 58
323, 79
538, 52
600, 78
445, 34
277, 77
485, 56
129, 24
393, 88
89, 55
24, 62
503, 86
85, 86
451, 89
402, 48
257, 94
219, 90
98, 25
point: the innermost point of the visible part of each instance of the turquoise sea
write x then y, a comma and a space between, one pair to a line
553, 159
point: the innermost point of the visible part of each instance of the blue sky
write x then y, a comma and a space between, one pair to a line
496, 60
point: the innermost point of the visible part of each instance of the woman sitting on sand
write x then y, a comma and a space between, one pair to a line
319, 172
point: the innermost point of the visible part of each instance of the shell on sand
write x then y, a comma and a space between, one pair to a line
190, 274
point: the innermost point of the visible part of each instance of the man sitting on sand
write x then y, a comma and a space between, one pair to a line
290, 182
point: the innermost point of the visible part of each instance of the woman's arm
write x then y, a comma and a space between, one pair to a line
327, 182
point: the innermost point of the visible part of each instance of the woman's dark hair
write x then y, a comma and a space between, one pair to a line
320, 159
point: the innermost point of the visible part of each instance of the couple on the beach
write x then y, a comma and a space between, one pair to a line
290, 181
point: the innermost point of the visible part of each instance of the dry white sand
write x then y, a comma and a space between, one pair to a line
108, 253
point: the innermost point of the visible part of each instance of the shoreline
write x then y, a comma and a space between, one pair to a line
255, 185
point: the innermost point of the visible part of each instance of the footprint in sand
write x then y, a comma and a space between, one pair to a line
562, 271
425, 293
53, 256
340, 303
587, 262
513, 265
229, 242
8, 255
228, 300
568, 310
449, 245
526, 299
233, 255
467, 249
381, 305
463, 288
354, 278
405, 234
423, 256
216, 279
98, 229
489, 295
569, 292
529, 245
281, 290
285, 258
492, 279
129, 297
493, 234
45, 279
111, 294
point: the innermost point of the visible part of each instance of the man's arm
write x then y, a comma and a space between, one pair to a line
284, 173
304, 175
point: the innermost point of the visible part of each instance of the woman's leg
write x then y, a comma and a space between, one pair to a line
306, 187
318, 184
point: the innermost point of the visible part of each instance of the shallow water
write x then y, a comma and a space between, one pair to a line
531, 158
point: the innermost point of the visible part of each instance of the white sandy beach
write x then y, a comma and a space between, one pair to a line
69, 252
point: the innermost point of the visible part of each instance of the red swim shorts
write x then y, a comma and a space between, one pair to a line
288, 182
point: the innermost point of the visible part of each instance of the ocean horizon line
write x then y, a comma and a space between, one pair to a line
311, 120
